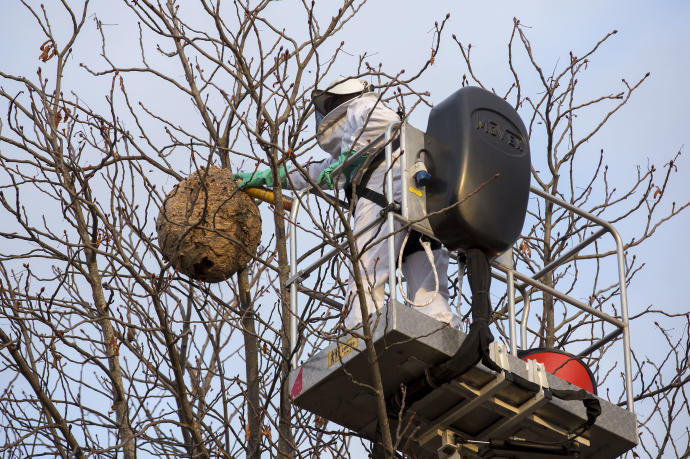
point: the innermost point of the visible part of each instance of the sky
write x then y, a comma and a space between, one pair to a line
651, 37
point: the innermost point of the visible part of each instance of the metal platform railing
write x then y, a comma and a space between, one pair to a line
621, 323
514, 280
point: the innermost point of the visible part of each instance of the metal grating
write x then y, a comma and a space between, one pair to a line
480, 405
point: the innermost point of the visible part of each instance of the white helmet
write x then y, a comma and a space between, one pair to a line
337, 93
343, 86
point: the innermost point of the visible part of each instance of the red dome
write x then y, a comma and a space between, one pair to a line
563, 365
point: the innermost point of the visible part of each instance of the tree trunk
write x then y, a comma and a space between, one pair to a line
285, 440
251, 361
548, 337
89, 241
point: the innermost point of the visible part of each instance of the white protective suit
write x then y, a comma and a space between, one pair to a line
346, 128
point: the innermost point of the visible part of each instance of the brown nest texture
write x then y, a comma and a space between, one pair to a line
207, 228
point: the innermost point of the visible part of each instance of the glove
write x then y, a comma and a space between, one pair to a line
257, 179
326, 176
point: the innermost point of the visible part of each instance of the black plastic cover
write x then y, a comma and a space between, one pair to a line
478, 151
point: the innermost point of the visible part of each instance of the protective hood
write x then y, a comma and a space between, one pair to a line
329, 132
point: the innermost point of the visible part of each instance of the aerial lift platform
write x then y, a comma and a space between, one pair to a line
480, 405
483, 412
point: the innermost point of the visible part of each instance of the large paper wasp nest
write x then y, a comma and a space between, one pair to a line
207, 228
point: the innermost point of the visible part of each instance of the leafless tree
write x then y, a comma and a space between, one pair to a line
120, 352
106, 349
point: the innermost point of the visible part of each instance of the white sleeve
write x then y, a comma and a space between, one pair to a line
357, 131
296, 179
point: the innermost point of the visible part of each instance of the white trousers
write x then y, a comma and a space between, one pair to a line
374, 262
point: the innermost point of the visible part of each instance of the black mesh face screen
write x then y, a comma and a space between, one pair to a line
319, 116
318, 98
337, 100
325, 102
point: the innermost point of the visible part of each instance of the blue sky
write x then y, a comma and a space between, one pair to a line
652, 37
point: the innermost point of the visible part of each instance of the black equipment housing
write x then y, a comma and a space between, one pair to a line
478, 155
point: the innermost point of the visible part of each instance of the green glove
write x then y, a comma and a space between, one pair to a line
326, 176
257, 179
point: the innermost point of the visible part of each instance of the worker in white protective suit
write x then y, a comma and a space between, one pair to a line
349, 117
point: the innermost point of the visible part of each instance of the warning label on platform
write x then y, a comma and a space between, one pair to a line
344, 348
